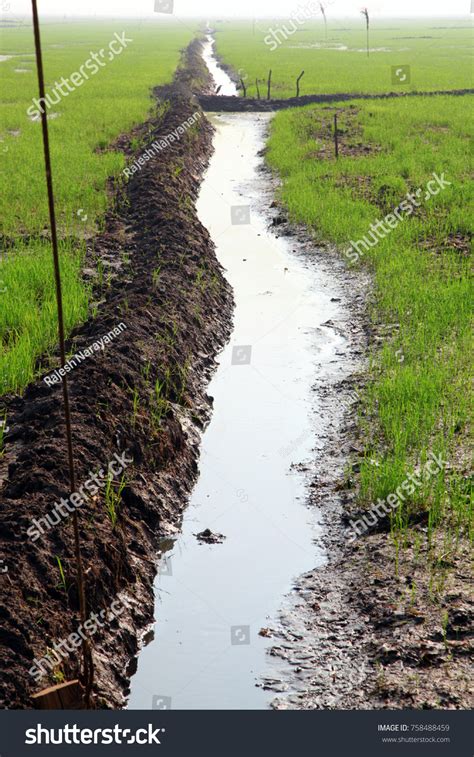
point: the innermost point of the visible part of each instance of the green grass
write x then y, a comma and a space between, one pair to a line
438, 51
28, 316
89, 119
419, 395
113, 498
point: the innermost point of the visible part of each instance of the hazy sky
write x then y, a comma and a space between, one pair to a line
258, 8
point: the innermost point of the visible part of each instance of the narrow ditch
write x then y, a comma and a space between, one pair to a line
217, 604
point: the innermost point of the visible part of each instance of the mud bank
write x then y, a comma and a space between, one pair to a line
143, 395
231, 104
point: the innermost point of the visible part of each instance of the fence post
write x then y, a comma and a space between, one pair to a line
88, 665
298, 83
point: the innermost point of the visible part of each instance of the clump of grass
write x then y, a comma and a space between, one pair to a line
159, 405
113, 498
62, 576
28, 317
156, 276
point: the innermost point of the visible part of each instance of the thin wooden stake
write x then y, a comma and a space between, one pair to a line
298, 83
336, 141
244, 87
87, 655
269, 87
365, 13
63, 696
258, 89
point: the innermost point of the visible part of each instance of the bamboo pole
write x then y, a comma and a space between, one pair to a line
88, 668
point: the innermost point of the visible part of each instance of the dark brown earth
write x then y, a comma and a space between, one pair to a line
229, 104
161, 278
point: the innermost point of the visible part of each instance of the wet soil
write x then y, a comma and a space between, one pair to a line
163, 281
231, 104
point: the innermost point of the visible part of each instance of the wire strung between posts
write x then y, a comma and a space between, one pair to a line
88, 667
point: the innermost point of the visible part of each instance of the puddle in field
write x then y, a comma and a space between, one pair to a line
3, 58
317, 46
373, 50
212, 600
321, 46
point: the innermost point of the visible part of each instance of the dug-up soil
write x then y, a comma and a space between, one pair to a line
143, 395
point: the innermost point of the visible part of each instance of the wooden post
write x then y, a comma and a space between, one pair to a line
244, 87
258, 89
88, 663
336, 143
269, 84
64, 696
298, 83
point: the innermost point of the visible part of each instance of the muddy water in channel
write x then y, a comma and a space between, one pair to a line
212, 600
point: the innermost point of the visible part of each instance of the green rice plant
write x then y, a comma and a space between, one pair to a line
156, 276
146, 370
28, 316
334, 55
62, 577
88, 121
419, 396
113, 498
159, 405
181, 382
58, 676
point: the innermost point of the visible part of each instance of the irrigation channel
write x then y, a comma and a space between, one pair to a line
212, 600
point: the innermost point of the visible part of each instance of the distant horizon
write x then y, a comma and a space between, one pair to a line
175, 17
